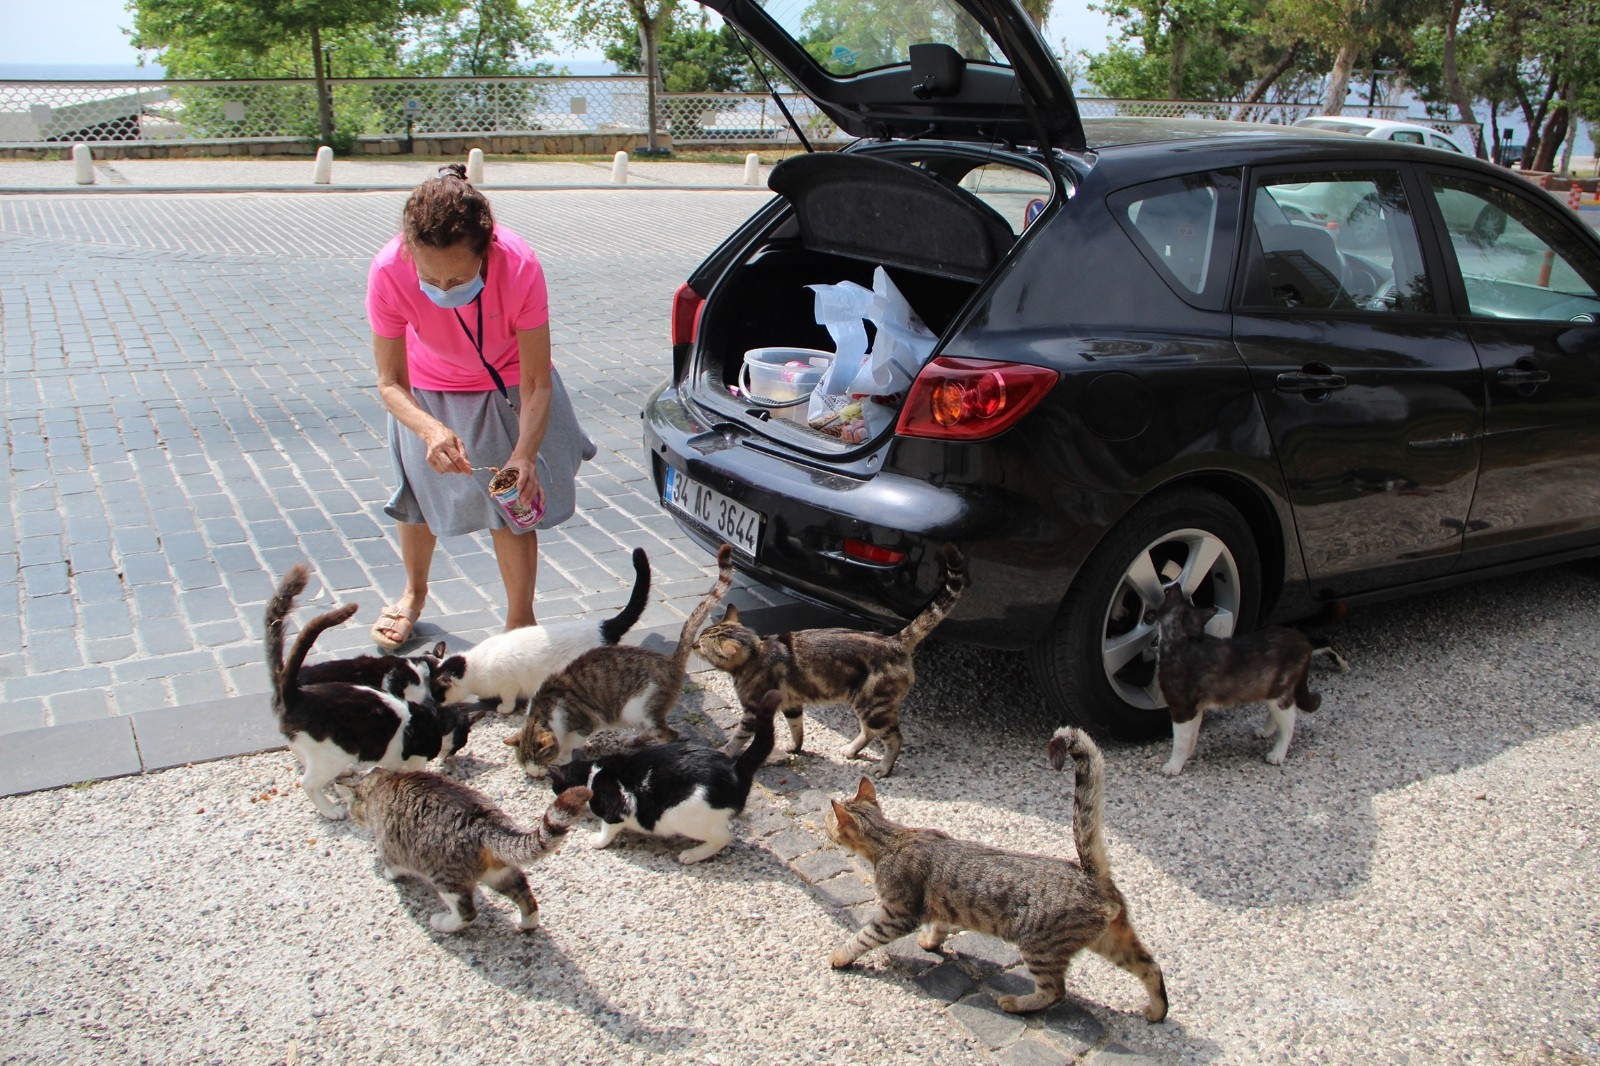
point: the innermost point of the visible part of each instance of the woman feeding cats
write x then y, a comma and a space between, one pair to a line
461, 336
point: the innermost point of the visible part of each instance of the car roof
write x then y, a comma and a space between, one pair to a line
1161, 147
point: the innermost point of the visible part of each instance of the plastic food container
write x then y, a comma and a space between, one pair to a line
783, 378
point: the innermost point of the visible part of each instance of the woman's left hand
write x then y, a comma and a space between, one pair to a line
528, 487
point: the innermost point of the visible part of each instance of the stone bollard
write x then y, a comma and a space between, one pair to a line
82, 165
322, 171
752, 169
619, 169
475, 166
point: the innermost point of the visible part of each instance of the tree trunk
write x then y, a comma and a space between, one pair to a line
1178, 57
1256, 94
1452, 74
1550, 138
324, 101
650, 51
1339, 80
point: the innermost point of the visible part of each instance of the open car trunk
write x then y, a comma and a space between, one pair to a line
936, 238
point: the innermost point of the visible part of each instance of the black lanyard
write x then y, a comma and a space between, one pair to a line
477, 342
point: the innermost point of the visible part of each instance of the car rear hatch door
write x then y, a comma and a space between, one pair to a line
963, 70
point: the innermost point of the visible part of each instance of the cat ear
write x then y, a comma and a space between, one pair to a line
865, 793
731, 614
438, 650
843, 819
1206, 616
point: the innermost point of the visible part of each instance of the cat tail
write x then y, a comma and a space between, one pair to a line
754, 756
525, 846
292, 584
1089, 775
286, 672
955, 579
697, 617
613, 628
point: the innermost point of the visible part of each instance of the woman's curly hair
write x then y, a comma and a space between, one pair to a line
446, 210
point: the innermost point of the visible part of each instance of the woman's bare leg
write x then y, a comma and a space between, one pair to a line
518, 556
416, 552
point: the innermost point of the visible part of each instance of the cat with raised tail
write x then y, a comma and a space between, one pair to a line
371, 711
1049, 908
872, 672
678, 789
1198, 672
617, 686
508, 668
455, 838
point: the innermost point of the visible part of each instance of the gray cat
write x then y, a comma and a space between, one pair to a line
1050, 908
453, 837
610, 687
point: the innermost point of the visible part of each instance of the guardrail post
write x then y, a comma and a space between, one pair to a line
752, 169
82, 165
322, 171
475, 166
619, 169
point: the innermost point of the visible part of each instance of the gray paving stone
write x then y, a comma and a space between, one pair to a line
80, 706
47, 613
986, 1021
821, 865
71, 753
1117, 1055
1030, 1050
984, 949
792, 843
1071, 1026
846, 890
945, 982
19, 715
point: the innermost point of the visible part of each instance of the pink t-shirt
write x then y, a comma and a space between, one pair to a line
439, 353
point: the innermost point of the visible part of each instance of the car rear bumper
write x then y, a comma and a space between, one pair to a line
1016, 562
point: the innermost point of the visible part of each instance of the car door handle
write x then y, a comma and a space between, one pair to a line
1521, 375
1301, 381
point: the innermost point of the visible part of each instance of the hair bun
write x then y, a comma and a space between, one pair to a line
453, 170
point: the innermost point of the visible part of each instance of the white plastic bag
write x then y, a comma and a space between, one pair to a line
844, 402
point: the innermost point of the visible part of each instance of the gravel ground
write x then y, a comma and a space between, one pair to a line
1418, 883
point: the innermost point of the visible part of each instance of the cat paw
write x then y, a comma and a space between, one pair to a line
334, 813
880, 772
391, 874
700, 854
1172, 769
446, 922
528, 922
930, 940
1024, 1004
1276, 758
841, 959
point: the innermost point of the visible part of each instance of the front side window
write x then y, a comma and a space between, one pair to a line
1334, 241
1516, 260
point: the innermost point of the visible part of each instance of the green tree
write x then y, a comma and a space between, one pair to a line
695, 58
604, 22
239, 28
1180, 49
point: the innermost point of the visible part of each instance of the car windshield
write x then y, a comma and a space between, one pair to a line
851, 36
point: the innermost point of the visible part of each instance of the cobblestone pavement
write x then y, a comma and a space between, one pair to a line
187, 396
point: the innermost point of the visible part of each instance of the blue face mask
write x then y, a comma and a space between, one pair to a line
460, 296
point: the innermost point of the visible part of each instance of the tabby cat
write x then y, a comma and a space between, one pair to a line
454, 838
1050, 908
612, 686
367, 716
871, 671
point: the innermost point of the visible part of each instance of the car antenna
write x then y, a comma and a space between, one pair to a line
798, 132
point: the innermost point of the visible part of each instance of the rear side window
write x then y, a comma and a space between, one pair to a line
1181, 225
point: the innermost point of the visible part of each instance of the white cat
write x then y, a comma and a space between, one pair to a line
509, 667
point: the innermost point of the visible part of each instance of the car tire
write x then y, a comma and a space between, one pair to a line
1186, 534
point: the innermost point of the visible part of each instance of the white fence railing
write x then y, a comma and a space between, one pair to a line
43, 114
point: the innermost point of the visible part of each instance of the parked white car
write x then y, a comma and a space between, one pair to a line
1383, 129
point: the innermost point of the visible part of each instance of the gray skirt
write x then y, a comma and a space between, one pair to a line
453, 504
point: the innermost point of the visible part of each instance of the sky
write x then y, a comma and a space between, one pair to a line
86, 31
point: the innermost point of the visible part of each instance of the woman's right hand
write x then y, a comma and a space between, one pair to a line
446, 453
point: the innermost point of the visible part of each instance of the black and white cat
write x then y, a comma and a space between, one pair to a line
509, 667
344, 714
677, 789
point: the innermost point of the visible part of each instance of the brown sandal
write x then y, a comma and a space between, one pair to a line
393, 628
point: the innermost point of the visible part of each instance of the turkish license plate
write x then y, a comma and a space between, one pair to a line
733, 522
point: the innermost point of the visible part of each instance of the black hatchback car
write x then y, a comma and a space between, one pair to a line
1278, 367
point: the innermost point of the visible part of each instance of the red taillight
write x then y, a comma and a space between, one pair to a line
871, 553
686, 305
971, 399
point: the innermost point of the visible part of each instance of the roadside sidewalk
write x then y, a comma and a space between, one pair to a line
348, 175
